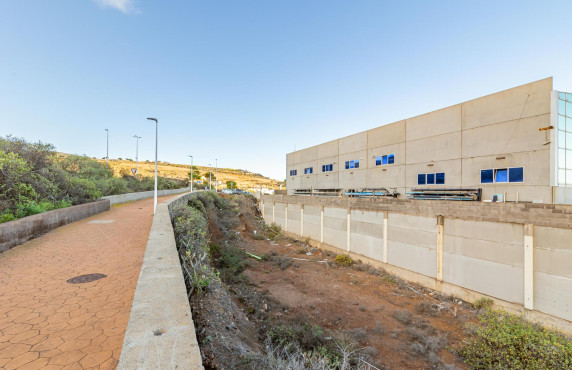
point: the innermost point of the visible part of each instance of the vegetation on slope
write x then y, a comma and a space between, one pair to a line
34, 178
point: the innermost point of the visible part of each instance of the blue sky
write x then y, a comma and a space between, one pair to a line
248, 81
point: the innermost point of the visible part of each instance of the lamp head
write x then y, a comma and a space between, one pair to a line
152, 119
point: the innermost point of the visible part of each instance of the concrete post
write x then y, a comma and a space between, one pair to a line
529, 266
302, 220
385, 216
440, 237
286, 216
348, 228
322, 225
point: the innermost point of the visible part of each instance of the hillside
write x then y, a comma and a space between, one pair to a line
243, 178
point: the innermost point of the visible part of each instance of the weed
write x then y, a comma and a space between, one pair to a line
389, 279
426, 308
274, 231
343, 260
501, 340
378, 328
257, 237
282, 261
482, 303
403, 316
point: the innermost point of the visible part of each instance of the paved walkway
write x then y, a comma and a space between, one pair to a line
48, 323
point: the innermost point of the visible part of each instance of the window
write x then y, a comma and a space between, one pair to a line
293, 172
352, 164
563, 139
486, 176
431, 178
501, 175
512, 174
308, 171
327, 167
385, 159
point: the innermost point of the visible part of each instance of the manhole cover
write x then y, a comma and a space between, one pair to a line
86, 278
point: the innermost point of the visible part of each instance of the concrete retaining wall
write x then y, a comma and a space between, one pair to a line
130, 197
16, 232
509, 252
160, 333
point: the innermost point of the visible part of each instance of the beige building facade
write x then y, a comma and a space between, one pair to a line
516, 142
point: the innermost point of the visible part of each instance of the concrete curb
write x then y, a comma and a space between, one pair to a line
160, 333
16, 232
130, 197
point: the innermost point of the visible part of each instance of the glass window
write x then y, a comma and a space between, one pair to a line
561, 139
569, 109
430, 178
569, 97
347, 165
501, 175
323, 168
568, 177
378, 161
569, 159
440, 178
331, 166
356, 163
562, 95
384, 160
486, 176
561, 158
561, 105
516, 174
561, 122
569, 124
421, 179
569, 140
390, 158
562, 177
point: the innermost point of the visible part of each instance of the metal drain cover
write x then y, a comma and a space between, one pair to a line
86, 278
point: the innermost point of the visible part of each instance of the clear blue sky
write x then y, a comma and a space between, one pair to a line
247, 81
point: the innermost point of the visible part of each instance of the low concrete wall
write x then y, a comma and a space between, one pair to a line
130, 197
512, 253
160, 333
16, 232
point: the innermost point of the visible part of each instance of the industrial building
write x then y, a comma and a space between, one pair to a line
514, 145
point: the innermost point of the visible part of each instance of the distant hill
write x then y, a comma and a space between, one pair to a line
244, 179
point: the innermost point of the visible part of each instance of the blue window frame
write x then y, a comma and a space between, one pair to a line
487, 176
440, 178
308, 170
391, 159
293, 172
385, 159
501, 175
430, 179
421, 179
352, 164
378, 161
516, 174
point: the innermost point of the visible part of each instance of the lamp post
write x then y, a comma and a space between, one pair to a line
156, 143
210, 177
192, 178
216, 176
107, 152
136, 154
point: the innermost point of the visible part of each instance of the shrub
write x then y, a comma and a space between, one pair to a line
426, 308
403, 316
343, 260
501, 340
483, 303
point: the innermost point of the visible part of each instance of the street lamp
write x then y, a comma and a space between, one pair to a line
107, 153
137, 155
156, 143
192, 178
210, 177
216, 175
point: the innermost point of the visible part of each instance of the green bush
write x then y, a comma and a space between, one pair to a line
343, 260
504, 341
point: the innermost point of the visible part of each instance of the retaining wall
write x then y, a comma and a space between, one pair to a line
130, 197
16, 232
518, 254
160, 333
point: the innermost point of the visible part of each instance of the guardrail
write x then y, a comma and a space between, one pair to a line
131, 197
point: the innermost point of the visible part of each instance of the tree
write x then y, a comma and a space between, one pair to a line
231, 185
196, 174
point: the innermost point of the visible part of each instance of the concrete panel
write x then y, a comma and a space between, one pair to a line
366, 228
435, 148
451, 168
328, 180
335, 224
439, 122
417, 238
353, 143
391, 176
386, 135
515, 136
553, 251
329, 149
294, 218
553, 295
309, 154
552, 238
420, 223
339, 213
562, 195
397, 149
279, 215
413, 258
367, 216
503, 233
523, 101
352, 179
367, 246
484, 277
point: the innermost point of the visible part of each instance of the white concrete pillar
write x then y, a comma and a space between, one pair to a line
322, 225
302, 220
286, 217
348, 228
440, 238
385, 216
529, 266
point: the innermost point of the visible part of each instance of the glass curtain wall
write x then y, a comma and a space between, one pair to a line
564, 138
